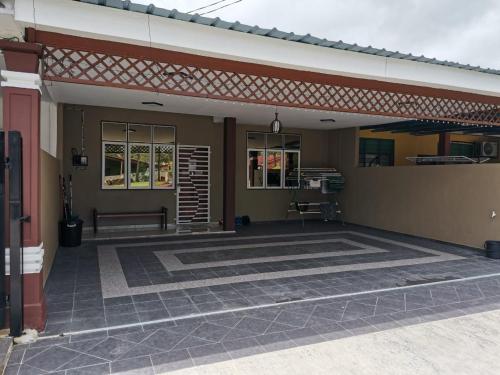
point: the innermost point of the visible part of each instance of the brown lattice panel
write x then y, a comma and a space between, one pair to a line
97, 68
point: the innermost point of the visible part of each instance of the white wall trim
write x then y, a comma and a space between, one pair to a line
21, 80
105, 23
32, 259
48, 125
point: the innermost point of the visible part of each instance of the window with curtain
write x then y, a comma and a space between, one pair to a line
137, 156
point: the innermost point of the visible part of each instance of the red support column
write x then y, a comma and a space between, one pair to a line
229, 173
21, 112
444, 144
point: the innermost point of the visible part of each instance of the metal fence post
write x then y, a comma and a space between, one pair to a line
16, 233
2, 229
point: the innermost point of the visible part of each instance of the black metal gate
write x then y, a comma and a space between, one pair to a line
13, 164
2, 230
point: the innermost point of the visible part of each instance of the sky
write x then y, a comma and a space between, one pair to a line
465, 31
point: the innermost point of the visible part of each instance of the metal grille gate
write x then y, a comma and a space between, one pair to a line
193, 184
13, 164
2, 230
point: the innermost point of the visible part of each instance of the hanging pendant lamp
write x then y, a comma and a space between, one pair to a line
276, 124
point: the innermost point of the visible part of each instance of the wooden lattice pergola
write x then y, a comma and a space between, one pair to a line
103, 63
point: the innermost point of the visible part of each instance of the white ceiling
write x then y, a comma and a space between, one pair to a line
245, 113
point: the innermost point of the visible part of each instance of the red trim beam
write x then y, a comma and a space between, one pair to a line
104, 63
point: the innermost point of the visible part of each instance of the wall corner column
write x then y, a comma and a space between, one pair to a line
229, 183
21, 95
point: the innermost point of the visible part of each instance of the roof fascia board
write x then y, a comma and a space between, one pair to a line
80, 19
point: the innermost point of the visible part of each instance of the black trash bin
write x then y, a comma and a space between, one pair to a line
71, 232
492, 249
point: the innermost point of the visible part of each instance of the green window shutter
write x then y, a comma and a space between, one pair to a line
376, 151
462, 149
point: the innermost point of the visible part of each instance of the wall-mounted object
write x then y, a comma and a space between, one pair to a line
79, 159
488, 149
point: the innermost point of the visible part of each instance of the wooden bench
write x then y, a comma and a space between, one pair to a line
103, 215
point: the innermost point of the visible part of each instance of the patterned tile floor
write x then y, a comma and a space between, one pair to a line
158, 331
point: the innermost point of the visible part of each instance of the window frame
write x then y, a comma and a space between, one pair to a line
263, 169
265, 150
363, 140
103, 165
281, 151
174, 165
291, 151
129, 165
151, 145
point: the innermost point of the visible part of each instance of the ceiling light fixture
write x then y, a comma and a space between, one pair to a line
276, 124
153, 103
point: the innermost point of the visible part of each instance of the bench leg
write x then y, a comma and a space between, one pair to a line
95, 222
164, 218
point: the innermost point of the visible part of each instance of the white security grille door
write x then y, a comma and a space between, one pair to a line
193, 184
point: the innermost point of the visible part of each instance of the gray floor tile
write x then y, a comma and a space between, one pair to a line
243, 348
146, 297
119, 309
135, 366
207, 354
172, 294
163, 340
52, 358
304, 336
117, 301
146, 316
111, 349
275, 341
177, 302
123, 319
171, 361
149, 306
88, 313
210, 332
102, 369
292, 318
356, 310
191, 342
82, 360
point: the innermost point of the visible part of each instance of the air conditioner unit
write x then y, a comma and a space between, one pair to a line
489, 149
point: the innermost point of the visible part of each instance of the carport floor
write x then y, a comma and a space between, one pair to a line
188, 301
105, 285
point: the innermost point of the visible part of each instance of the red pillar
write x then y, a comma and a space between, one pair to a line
21, 112
444, 144
229, 173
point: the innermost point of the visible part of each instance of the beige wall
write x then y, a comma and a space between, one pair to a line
50, 208
196, 130
87, 192
450, 203
50, 168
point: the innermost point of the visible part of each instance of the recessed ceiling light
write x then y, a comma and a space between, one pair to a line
153, 103
327, 120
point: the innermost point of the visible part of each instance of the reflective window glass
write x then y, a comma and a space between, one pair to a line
114, 166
